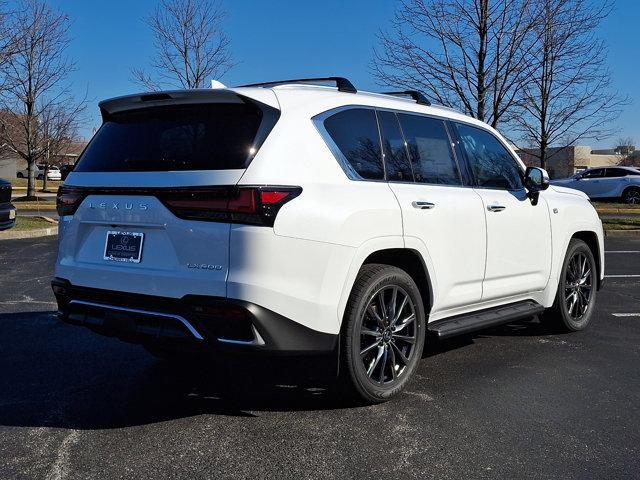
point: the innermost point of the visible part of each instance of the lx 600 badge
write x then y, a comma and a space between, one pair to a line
204, 266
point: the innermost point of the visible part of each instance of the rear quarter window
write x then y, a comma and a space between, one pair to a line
355, 133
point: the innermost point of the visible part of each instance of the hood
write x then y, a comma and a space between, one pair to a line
569, 191
561, 181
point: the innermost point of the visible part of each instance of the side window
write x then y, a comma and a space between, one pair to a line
355, 132
616, 172
595, 173
395, 153
430, 150
491, 163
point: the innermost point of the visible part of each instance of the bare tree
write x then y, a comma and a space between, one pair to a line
36, 101
467, 54
624, 146
568, 96
60, 130
191, 47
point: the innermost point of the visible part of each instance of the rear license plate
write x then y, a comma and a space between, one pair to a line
123, 246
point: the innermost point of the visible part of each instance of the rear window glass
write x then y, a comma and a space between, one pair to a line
189, 137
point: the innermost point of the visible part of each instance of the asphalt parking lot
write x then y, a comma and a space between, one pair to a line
511, 402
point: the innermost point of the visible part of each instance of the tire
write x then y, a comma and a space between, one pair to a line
20, 175
631, 196
577, 291
394, 340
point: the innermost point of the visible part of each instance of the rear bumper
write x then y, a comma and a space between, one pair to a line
7, 216
192, 321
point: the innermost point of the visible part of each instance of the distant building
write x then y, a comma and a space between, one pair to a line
566, 161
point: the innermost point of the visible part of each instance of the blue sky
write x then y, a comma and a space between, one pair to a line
286, 39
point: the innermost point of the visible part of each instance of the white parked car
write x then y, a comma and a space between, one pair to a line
305, 219
52, 174
606, 182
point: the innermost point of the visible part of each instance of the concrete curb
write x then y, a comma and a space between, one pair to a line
622, 233
20, 234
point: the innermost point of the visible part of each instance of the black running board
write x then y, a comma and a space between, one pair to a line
491, 317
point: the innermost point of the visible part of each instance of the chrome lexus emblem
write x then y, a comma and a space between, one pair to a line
118, 206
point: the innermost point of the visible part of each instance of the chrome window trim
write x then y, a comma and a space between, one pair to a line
182, 320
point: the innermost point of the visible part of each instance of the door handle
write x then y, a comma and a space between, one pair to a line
422, 205
495, 208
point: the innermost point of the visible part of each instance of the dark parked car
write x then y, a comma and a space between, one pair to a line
7, 210
65, 170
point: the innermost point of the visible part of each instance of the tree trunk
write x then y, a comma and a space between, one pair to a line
543, 153
31, 181
44, 178
482, 54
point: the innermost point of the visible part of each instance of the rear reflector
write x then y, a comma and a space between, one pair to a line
246, 205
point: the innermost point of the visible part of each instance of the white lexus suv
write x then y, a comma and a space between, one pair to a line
294, 217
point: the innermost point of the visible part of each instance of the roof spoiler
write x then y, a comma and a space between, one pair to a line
181, 97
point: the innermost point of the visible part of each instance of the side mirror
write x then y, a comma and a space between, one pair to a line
536, 179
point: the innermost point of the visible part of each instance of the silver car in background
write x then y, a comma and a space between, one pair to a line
606, 182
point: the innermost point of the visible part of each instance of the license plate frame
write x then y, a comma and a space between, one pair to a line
125, 253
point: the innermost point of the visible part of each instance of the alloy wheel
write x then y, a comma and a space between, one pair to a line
388, 334
578, 285
632, 197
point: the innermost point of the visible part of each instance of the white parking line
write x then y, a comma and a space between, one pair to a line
622, 251
626, 314
622, 276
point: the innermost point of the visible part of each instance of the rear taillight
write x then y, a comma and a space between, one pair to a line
68, 200
248, 205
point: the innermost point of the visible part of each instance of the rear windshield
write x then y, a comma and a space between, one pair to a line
180, 137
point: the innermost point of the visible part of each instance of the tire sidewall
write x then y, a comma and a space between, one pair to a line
372, 391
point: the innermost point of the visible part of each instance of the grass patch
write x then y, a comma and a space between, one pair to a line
612, 204
22, 182
30, 223
35, 200
621, 224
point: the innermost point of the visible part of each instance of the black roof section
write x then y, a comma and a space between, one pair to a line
416, 95
342, 83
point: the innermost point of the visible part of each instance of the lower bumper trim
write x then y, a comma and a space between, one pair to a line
201, 321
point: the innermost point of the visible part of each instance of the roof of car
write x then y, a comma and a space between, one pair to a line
300, 94
635, 169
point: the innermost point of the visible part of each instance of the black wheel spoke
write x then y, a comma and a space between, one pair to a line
388, 334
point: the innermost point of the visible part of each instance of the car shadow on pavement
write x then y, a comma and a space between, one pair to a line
56, 375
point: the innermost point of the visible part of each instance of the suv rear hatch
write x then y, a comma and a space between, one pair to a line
149, 204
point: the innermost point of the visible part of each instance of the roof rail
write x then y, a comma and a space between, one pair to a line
342, 83
416, 95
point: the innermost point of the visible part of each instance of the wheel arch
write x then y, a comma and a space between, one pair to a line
390, 251
591, 239
411, 262
629, 188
